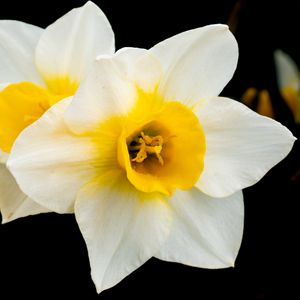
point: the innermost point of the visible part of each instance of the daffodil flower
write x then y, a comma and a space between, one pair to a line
288, 78
149, 158
38, 68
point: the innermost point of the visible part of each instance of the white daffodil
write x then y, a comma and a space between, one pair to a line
37, 69
148, 156
288, 78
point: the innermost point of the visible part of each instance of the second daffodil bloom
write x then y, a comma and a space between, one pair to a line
148, 156
38, 68
288, 77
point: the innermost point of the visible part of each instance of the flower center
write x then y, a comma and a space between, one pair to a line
157, 147
153, 145
144, 145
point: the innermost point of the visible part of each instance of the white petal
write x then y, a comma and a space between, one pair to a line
18, 41
121, 231
14, 203
206, 232
68, 46
197, 63
141, 67
105, 92
127, 58
241, 146
287, 71
50, 163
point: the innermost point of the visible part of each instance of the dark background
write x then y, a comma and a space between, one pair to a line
45, 255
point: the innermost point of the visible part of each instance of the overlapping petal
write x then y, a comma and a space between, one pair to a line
241, 146
62, 54
187, 55
110, 88
206, 232
14, 203
104, 93
50, 163
141, 67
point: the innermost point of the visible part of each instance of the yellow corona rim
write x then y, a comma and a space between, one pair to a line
159, 145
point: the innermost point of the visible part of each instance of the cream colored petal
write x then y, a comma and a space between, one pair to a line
14, 203
106, 92
111, 87
69, 46
241, 146
50, 163
197, 63
206, 232
127, 58
18, 41
141, 67
121, 231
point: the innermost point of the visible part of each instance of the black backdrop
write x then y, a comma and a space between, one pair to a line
45, 255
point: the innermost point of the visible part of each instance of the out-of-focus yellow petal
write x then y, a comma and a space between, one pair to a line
292, 99
264, 105
249, 95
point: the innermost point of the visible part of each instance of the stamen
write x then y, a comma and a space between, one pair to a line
147, 145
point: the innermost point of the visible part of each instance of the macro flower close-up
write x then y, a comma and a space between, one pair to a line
38, 68
150, 158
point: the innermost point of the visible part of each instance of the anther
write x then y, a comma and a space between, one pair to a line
147, 145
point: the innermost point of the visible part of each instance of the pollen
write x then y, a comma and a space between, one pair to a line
145, 146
